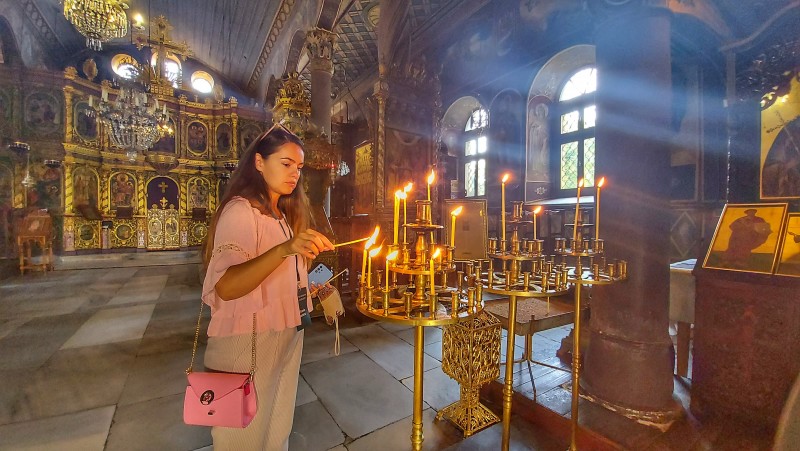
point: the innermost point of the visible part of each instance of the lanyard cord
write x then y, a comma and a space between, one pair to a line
289, 236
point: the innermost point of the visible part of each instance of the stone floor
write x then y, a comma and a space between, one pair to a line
94, 359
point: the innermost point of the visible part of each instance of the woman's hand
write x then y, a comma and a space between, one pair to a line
309, 244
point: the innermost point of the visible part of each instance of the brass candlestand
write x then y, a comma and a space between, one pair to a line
547, 277
596, 273
415, 305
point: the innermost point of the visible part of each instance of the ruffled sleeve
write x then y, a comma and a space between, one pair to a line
235, 242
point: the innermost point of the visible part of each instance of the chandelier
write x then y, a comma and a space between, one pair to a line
134, 120
98, 20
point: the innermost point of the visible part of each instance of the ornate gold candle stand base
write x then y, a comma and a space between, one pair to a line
470, 355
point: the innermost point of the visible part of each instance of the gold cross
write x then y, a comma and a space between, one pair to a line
164, 202
163, 186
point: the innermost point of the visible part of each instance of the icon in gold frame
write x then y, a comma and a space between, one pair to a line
789, 260
747, 238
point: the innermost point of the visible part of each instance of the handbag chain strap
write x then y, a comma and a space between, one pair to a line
197, 336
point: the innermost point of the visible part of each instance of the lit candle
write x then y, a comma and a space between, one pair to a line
372, 254
597, 209
91, 101
503, 206
431, 178
453, 215
396, 213
104, 94
392, 255
370, 242
577, 207
433, 284
535, 212
407, 190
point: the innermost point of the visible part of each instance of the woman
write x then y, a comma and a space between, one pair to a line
256, 264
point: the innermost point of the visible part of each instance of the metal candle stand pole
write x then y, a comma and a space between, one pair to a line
546, 278
414, 305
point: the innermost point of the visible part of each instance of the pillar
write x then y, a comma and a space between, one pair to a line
629, 361
319, 44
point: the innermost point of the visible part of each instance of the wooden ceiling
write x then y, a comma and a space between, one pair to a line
230, 35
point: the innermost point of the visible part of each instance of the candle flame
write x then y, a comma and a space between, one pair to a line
436, 253
392, 255
431, 177
601, 182
375, 251
580, 183
402, 195
457, 211
398, 193
408, 187
374, 237
537, 210
505, 178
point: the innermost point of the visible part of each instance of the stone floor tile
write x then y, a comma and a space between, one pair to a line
84, 431
438, 389
358, 393
156, 375
437, 435
314, 429
318, 345
305, 394
112, 325
387, 350
155, 425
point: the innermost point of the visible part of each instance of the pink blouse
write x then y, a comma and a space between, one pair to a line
244, 233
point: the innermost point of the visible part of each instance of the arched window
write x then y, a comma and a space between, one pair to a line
202, 82
575, 129
172, 68
124, 66
475, 149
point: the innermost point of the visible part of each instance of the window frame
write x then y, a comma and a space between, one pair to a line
475, 134
561, 107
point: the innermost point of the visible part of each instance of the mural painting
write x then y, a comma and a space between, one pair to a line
46, 193
224, 138
84, 187
166, 144
198, 193
42, 113
780, 147
197, 137
85, 125
249, 134
123, 190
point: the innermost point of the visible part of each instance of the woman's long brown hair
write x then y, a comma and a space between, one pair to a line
248, 183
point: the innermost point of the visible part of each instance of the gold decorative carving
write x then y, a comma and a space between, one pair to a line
89, 69
471, 356
319, 43
124, 233
87, 234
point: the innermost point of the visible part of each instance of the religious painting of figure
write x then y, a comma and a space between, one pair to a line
789, 261
123, 189
780, 147
166, 144
538, 140
364, 183
197, 137
248, 135
198, 193
6, 187
84, 187
5, 106
780, 173
747, 238
406, 161
85, 124
224, 138
46, 192
42, 112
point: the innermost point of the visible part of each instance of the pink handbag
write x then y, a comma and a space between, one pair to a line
220, 399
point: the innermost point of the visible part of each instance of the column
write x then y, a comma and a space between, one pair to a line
629, 362
319, 44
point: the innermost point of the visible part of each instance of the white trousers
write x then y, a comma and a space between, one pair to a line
277, 369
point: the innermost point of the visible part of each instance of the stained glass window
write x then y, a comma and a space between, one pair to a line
577, 119
475, 144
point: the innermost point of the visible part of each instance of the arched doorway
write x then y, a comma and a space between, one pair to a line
163, 214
